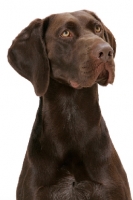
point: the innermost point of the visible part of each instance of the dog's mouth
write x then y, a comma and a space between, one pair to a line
106, 76
103, 75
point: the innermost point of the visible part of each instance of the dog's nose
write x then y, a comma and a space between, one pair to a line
104, 52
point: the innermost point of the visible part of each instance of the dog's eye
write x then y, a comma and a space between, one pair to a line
66, 33
98, 28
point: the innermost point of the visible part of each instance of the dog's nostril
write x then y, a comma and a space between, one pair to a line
110, 54
100, 54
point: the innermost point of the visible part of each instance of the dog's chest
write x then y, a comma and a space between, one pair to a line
69, 189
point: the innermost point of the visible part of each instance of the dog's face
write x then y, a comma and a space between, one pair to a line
76, 49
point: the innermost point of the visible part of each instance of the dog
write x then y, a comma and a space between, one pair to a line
70, 155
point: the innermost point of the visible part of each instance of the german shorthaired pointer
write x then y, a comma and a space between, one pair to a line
70, 155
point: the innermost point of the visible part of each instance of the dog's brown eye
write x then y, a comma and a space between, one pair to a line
66, 33
98, 28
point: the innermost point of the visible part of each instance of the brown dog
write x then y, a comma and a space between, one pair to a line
70, 155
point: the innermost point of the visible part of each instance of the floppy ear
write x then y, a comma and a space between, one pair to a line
110, 38
27, 55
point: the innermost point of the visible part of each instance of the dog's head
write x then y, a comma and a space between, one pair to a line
76, 49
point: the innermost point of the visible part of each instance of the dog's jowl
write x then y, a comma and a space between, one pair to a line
70, 155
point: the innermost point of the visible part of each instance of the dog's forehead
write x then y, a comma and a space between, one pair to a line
84, 15
78, 17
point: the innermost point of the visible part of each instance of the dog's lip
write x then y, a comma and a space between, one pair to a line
106, 76
111, 75
74, 84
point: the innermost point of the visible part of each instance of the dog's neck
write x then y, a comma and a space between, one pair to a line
69, 119
70, 107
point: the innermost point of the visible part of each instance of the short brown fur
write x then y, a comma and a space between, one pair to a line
70, 155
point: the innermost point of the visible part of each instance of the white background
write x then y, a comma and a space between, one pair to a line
18, 103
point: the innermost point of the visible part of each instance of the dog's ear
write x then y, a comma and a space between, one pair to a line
110, 38
27, 55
